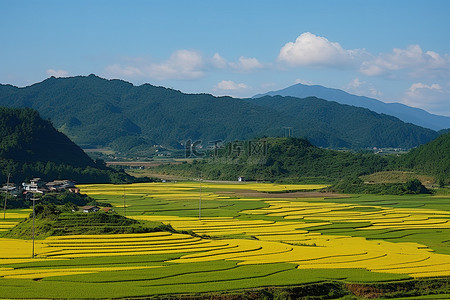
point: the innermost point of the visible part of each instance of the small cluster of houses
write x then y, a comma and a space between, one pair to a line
36, 185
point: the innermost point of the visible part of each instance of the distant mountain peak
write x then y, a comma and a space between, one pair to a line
405, 113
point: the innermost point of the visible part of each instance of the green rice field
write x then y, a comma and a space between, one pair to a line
232, 237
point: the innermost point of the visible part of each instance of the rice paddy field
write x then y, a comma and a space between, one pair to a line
231, 237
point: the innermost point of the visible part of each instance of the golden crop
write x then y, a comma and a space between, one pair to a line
287, 241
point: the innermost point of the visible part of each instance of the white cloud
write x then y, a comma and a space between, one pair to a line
229, 85
246, 64
417, 87
355, 83
182, 65
57, 73
218, 61
302, 81
413, 60
312, 50
362, 88
431, 97
126, 71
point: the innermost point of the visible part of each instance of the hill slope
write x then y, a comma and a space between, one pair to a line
432, 158
403, 112
32, 147
98, 112
344, 125
286, 159
25, 137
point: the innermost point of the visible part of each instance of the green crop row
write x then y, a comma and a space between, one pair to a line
175, 279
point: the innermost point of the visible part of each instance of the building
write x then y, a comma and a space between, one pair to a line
61, 185
11, 189
107, 209
36, 185
89, 209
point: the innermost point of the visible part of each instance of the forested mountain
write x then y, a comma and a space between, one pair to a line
433, 158
403, 112
32, 147
344, 125
97, 112
94, 111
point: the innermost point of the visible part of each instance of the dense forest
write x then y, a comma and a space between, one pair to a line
353, 127
283, 159
297, 160
32, 147
96, 112
432, 158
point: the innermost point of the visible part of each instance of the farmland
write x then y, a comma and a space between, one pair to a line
233, 236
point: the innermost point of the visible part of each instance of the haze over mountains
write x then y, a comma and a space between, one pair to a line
403, 112
97, 112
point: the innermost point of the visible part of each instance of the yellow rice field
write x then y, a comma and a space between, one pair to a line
278, 242
281, 247
380, 218
42, 273
261, 241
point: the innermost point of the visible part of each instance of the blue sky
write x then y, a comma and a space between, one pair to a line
395, 51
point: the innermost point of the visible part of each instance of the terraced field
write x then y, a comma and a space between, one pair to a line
234, 241
12, 217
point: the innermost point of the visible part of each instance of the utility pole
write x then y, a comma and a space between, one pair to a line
200, 199
6, 196
34, 215
288, 131
124, 206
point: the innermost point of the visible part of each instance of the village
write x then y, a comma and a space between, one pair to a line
38, 187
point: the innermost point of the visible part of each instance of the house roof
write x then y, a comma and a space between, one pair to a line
89, 207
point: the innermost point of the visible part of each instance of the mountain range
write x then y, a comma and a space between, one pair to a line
96, 112
403, 112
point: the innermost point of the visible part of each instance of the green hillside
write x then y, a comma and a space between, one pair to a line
286, 159
32, 147
297, 160
97, 112
432, 158
51, 221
